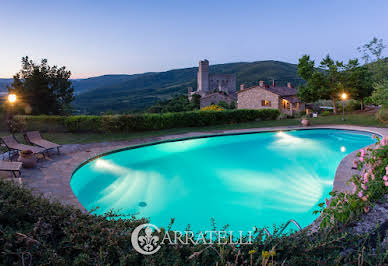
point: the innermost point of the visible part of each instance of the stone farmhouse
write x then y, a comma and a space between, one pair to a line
214, 88
263, 96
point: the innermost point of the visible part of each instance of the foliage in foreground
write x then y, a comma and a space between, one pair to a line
368, 187
38, 231
143, 122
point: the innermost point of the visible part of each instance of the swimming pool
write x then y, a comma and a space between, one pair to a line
243, 180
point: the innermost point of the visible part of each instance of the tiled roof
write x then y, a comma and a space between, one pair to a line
281, 91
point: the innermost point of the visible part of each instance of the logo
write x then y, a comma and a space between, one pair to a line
146, 244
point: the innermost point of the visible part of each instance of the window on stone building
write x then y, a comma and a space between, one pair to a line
265, 103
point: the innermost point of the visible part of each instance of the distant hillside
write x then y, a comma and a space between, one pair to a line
3, 85
129, 93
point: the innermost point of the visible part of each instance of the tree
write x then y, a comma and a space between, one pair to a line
223, 104
176, 104
371, 53
358, 80
43, 89
323, 83
380, 94
306, 70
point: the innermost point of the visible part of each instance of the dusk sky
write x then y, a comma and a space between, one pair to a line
98, 37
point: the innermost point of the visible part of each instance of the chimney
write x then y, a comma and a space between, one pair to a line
261, 84
242, 87
289, 85
273, 83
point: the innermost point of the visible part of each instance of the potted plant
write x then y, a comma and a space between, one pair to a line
27, 157
305, 121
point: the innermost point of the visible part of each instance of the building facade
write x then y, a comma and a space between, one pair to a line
214, 88
284, 99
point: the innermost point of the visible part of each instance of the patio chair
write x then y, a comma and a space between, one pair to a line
33, 137
12, 145
13, 167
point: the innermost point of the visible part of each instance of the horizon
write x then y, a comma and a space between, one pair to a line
196, 66
99, 38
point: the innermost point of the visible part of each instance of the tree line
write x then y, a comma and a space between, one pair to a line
367, 82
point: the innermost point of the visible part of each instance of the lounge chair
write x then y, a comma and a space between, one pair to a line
33, 137
13, 167
12, 145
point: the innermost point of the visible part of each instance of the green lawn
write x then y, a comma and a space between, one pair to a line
361, 119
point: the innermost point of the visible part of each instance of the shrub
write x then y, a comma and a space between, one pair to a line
16, 124
368, 187
382, 114
350, 106
380, 94
143, 122
43, 123
84, 123
38, 231
326, 113
213, 107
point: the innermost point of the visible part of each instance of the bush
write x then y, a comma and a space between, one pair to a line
214, 107
326, 113
367, 188
143, 122
84, 123
382, 114
350, 106
380, 94
38, 231
43, 123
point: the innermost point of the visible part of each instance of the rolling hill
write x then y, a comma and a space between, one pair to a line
131, 93
3, 85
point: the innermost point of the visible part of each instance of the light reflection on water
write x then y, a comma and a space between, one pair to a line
241, 180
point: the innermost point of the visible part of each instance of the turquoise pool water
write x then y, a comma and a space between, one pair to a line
244, 180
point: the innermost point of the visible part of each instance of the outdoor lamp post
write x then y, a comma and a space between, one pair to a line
11, 99
344, 96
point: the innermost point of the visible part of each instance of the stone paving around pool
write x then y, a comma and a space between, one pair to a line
52, 176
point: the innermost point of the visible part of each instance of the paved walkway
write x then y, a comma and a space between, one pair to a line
52, 177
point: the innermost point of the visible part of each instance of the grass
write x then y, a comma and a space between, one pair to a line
360, 119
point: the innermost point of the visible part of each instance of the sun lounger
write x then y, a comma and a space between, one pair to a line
13, 167
12, 145
34, 137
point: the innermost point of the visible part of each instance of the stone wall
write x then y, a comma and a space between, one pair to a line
292, 109
215, 98
222, 82
252, 99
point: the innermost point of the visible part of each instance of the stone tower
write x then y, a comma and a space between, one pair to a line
203, 76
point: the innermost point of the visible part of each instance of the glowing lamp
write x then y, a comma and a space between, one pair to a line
12, 98
344, 96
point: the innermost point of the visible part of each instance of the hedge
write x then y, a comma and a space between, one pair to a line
143, 122
37, 231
